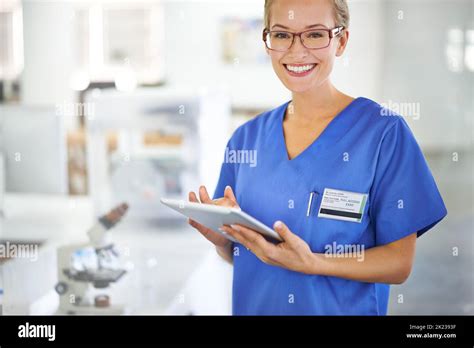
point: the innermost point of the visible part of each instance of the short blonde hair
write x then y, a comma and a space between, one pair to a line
341, 13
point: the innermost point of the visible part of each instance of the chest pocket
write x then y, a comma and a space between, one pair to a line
327, 222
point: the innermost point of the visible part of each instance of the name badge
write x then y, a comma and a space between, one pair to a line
342, 205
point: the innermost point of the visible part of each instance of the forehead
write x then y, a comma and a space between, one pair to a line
299, 14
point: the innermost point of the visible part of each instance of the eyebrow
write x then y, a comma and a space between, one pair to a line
308, 27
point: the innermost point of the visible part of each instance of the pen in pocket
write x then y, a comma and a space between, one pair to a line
312, 197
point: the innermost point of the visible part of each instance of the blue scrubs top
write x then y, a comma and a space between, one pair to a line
359, 151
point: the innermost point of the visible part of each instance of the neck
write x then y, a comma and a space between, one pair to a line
315, 103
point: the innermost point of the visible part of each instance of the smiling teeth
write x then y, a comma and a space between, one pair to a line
300, 69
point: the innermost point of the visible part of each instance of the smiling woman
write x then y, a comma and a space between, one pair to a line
304, 45
341, 12
333, 174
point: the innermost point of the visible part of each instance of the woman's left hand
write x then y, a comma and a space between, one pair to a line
293, 253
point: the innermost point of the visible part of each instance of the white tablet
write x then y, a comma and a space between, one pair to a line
213, 217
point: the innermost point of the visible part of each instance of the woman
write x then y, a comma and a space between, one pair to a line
348, 187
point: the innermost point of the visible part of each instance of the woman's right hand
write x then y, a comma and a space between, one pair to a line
228, 200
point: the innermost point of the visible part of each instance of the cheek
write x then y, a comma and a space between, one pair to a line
327, 65
326, 55
326, 61
278, 68
276, 58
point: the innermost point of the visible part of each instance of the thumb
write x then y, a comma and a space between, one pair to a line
284, 232
228, 193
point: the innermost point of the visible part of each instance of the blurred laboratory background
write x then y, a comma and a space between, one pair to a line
104, 102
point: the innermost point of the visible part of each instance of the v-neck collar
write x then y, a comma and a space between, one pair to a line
331, 133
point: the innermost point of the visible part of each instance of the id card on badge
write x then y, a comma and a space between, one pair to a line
342, 205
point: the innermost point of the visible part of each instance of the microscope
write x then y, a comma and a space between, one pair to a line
85, 271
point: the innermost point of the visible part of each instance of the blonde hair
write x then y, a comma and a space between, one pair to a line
341, 13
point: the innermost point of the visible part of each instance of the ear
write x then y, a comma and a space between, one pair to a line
343, 39
265, 46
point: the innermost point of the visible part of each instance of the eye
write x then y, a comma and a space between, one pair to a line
281, 35
315, 35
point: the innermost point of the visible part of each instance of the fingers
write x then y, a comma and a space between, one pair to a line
228, 193
224, 202
228, 200
197, 225
284, 232
204, 195
229, 196
192, 223
249, 238
206, 232
253, 241
192, 197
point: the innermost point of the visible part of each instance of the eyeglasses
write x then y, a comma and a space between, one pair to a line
313, 39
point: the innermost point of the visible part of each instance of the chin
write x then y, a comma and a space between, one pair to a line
300, 87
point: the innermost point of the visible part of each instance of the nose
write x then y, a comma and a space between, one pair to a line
298, 47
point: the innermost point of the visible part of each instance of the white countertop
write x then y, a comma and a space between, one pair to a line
160, 258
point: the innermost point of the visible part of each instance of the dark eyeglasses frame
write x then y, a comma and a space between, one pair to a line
332, 34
